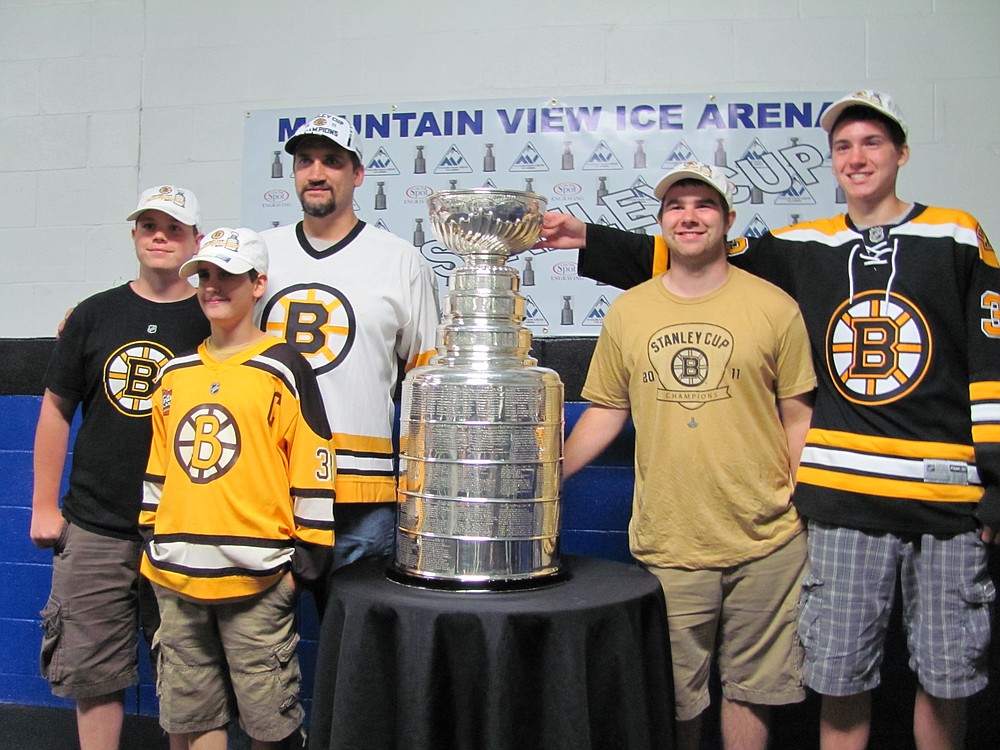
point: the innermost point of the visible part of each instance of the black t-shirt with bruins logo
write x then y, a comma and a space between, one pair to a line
107, 360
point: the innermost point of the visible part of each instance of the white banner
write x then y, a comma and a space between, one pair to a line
595, 157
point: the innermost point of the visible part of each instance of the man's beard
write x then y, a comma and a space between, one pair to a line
319, 210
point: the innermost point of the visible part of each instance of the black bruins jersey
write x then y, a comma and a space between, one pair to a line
107, 359
904, 324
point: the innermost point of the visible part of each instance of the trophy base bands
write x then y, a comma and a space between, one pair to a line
498, 481
475, 564
497, 521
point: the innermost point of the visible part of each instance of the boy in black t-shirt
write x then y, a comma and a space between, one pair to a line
107, 360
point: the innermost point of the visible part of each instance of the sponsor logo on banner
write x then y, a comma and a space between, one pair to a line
529, 160
603, 158
678, 155
596, 315
756, 228
532, 313
276, 198
381, 164
567, 189
564, 271
453, 162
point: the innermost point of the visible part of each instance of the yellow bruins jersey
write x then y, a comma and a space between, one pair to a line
353, 310
240, 482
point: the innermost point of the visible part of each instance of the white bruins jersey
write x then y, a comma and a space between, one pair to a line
351, 310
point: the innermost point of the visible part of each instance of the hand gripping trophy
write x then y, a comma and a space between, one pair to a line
481, 428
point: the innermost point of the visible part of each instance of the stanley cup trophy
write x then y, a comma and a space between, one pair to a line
481, 427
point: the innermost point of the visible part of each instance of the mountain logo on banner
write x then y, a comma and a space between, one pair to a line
756, 227
381, 163
489, 183
797, 195
529, 160
453, 162
755, 151
644, 192
603, 158
382, 225
678, 155
596, 315
532, 314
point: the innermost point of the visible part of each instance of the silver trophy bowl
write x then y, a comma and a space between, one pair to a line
481, 426
486, 221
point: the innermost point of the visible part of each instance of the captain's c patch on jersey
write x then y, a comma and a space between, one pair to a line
316, 319
877, 349
130, 375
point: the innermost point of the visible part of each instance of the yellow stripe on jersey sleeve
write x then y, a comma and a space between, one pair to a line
661, 256
986, 433
985, 391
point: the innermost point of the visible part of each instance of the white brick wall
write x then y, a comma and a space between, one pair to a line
101, 98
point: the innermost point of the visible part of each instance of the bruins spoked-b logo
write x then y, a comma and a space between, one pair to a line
207, 442
130, 375
878, 348
689, 361
316, 319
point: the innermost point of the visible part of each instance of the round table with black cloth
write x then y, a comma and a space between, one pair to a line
580, 664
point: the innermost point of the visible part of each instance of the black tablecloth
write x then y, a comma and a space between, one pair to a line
576, 665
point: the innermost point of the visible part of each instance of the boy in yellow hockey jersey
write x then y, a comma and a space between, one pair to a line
237, 510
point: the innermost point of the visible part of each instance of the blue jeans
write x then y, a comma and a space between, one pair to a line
363, 530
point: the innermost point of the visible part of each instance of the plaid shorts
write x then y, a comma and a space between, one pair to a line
847, 598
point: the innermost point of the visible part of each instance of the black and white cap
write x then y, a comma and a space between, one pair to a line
334, 127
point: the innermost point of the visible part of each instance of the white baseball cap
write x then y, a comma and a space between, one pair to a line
234, 250
876, 100
334, 127
696, 170
178, 202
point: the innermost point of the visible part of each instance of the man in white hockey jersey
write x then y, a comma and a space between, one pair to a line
355, 301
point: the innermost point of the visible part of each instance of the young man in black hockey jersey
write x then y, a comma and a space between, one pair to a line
901, 470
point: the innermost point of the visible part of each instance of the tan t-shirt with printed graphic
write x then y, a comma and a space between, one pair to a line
701, 377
